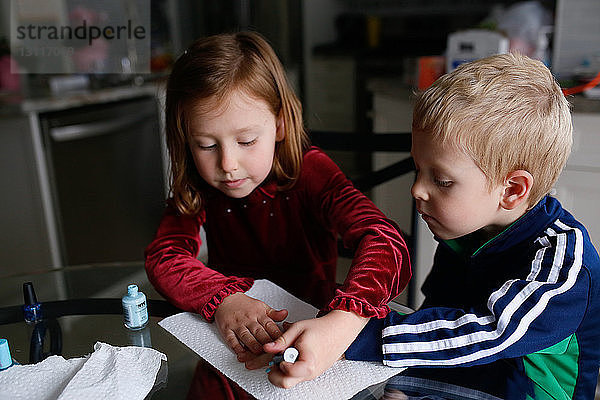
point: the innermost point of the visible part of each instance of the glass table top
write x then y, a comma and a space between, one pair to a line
82, 305
95, 292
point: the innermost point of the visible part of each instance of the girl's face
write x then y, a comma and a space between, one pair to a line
451, 192
233, 144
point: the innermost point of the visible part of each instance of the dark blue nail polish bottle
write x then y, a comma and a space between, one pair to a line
32, 310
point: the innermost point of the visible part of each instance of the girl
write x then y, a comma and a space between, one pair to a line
271, 205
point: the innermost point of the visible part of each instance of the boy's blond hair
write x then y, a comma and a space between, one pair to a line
507, 113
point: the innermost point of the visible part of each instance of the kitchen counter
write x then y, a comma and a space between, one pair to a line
398, 89
583, 104
14, 104
92, 97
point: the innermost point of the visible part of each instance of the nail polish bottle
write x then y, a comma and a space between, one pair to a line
5, 358
32, 310
135, 309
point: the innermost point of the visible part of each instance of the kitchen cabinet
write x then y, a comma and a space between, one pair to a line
84, 178
24, 243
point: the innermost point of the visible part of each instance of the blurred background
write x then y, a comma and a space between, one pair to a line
84, 169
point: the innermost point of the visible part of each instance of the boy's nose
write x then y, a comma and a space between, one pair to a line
418, 190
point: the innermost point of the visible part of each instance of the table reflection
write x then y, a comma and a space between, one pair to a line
39, 343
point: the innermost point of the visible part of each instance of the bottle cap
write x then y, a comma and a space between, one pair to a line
132, 290
290, 354
29, 296
5, 358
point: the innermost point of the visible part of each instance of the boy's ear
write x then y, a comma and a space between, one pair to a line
280, 126
517, 186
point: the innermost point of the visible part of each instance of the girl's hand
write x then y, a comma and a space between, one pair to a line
256, 361
246, 324
320, 342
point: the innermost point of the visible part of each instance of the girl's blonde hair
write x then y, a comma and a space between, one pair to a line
211, 69
507, 113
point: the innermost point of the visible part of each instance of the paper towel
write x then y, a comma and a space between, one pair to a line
343, 380
108, 373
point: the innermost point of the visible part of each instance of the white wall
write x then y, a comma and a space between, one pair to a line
577, 188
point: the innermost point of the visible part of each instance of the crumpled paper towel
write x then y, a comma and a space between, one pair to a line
108, 373
342, 381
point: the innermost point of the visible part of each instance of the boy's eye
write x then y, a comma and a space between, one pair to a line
442, 183
247, 143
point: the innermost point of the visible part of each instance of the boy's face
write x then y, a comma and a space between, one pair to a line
451, 192
233, 145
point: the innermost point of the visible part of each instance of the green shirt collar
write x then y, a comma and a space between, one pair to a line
471, 244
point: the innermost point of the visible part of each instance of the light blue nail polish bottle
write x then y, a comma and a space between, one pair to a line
5, 357
135, 308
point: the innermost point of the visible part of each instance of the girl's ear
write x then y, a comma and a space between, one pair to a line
517, 187
280, 128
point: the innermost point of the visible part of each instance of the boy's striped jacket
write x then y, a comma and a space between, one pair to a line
531, 296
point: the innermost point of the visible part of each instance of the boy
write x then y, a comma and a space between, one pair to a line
515, 281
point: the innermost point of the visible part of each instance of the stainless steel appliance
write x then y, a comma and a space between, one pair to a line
106, 178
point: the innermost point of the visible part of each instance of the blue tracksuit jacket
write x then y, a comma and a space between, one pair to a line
530, 295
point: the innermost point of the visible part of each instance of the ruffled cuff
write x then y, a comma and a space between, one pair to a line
241, 285
355, 305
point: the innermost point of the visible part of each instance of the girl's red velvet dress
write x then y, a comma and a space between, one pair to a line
288, 237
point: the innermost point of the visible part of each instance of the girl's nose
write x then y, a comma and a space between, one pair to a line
228, 160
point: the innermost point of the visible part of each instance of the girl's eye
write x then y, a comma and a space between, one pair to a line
248, 143
442, 183
207, 148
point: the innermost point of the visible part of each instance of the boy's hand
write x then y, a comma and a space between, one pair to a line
320, 342
246, 324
